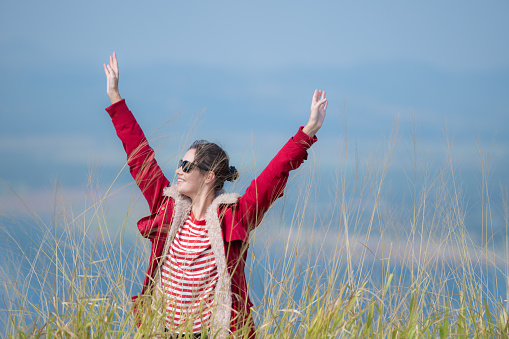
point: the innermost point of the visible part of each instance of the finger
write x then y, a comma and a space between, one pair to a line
321, 106
112, 72
115, 63
106, 70
316, 95
325, 104
321, 94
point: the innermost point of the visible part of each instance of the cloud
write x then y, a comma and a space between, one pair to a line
69, 202
318, 244
62, 149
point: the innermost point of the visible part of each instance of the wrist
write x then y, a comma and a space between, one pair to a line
310, 130
114, 97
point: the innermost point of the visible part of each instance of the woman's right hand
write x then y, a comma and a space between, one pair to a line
111, 71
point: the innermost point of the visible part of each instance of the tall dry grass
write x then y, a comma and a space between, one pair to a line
355, 267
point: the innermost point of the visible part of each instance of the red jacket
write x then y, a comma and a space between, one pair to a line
230, 218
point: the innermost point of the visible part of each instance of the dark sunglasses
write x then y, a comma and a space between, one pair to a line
187, 166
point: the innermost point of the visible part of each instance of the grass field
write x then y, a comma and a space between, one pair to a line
360, 270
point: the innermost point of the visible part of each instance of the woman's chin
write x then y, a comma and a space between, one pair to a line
182, 191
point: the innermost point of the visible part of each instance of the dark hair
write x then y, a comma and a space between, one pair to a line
213, 157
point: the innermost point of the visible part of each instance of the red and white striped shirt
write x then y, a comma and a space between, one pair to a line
189, 277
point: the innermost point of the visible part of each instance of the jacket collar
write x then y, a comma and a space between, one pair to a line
221, 197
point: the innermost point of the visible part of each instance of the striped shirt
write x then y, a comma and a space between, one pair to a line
189, 276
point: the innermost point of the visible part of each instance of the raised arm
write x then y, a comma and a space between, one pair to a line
140, 156
270, 184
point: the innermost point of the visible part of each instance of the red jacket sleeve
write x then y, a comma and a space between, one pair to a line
269, 185
140, 156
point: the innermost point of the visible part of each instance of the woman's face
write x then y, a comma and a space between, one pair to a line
190, 183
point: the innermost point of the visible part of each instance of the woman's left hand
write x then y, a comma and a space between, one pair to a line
318, 109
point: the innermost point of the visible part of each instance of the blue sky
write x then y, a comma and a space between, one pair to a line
250, 69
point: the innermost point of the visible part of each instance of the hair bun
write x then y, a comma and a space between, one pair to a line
233, 174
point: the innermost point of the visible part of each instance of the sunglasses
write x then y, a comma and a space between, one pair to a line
187, 166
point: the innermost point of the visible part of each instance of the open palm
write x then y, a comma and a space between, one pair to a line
111, 71
318, 110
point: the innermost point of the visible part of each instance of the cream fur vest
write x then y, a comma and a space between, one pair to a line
222, 307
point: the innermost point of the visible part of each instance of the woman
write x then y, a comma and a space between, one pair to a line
199, 234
